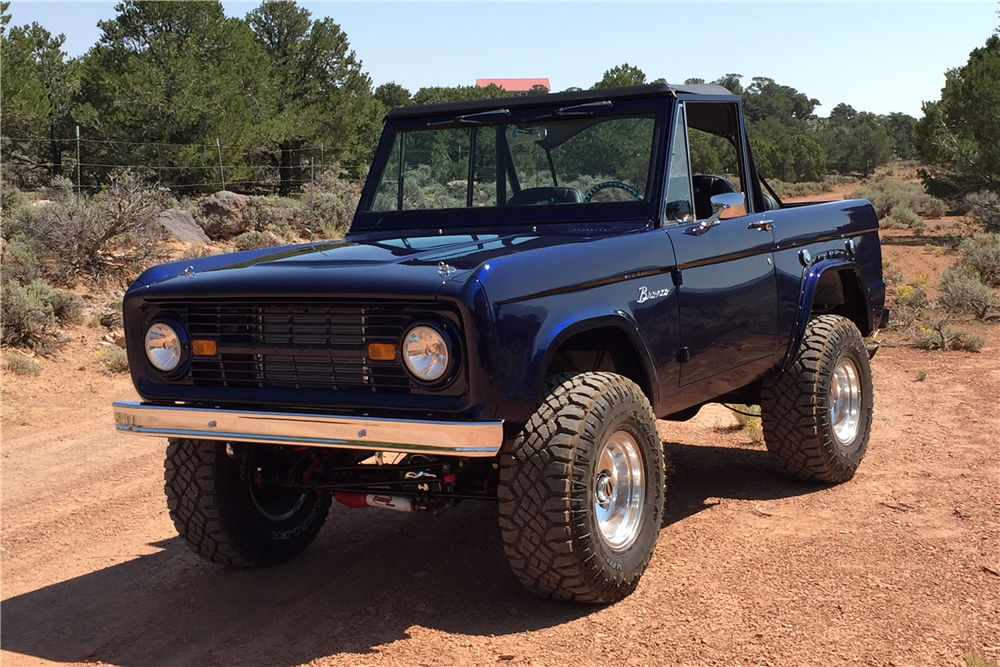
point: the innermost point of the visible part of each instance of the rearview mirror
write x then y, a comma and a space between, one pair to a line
526, 135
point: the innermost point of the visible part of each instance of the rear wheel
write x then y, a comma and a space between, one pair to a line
581, 490
224, 511
817, 414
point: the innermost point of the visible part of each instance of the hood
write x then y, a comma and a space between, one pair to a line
407, 265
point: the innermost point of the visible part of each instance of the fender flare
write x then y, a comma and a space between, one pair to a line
619, 320
807, 294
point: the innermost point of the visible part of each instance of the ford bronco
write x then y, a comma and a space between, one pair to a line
528, 284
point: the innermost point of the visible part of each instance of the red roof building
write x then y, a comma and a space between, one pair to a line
514, 86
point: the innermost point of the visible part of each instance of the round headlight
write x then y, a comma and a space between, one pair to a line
425, 352
163, 347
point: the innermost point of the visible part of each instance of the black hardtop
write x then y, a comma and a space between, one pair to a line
559, 99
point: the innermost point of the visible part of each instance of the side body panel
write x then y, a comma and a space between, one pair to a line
620, 282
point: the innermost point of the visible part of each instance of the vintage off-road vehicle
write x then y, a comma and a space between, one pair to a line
527, 286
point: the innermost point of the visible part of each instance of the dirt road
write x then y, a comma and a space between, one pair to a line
897, 567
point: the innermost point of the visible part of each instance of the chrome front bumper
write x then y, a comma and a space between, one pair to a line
410, 436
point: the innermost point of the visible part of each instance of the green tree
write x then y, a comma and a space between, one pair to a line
899, 126
320, 90
731, 82
766, 99
438, 94
37, 87
622, 75
175, 77
393, 95
856, 142
538, 89
959, 135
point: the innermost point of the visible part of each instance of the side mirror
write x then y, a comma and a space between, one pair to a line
720, 203
726, 200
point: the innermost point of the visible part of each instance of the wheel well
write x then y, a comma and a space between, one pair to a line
603, 349
839, 292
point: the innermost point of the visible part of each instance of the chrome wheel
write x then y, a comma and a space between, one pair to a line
845, 401
619, 490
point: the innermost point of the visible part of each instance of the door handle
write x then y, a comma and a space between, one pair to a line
761, 225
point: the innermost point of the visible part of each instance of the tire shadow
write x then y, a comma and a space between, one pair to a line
705, 472
370, 578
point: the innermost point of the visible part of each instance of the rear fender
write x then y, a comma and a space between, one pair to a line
833, 280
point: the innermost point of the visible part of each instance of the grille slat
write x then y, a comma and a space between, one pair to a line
294, 345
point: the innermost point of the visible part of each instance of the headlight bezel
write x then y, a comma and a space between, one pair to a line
447, 373
183, 347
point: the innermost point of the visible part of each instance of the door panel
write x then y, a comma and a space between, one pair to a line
727, 298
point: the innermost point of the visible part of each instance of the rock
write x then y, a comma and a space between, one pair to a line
120, 342
224, 214
111, 319
182, 226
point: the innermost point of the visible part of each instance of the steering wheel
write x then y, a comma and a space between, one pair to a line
611, 184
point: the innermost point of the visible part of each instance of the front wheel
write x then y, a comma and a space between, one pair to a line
817, 413
581, 490
224, 511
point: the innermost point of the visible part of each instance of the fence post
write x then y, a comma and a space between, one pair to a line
222, 173
322, 157
312, 170
79, 187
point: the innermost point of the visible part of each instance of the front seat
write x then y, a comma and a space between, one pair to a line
705, 187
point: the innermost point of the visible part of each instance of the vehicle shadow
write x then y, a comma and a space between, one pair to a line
370, 578
704, 473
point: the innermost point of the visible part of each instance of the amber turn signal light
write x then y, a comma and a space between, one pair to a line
204, 347
381, 351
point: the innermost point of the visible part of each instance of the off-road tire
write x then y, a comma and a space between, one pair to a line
546, 491
210, 502
795, 405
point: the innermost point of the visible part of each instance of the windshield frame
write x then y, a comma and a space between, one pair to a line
660, 108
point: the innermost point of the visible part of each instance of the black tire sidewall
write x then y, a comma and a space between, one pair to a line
633, 417
260, 538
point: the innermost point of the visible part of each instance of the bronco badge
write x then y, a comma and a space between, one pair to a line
647, 295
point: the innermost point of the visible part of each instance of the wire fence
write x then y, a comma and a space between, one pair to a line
31, 162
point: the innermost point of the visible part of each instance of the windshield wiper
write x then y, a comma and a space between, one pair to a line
587, 109
481, 118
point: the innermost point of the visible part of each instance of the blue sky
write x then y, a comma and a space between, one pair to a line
878, 57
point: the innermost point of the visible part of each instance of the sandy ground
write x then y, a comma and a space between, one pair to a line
900, 566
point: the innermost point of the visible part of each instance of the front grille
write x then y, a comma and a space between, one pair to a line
294, 345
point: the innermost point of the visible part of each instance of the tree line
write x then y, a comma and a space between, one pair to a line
181, 87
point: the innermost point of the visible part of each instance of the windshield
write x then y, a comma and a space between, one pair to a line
551, 161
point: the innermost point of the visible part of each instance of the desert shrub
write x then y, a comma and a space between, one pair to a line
28, 313
787, 190
985, 208
935, 334
12, 201
276, 215
255, 239
963, 292
910, 302
330, 202
887, 194
904, 218
24, 319
20, 263
111, 235
115, 360
891, 273
19, 365
981, 253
